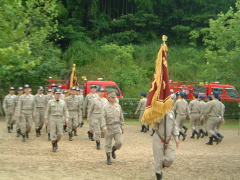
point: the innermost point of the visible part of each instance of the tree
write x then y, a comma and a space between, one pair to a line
223, 46
27, 30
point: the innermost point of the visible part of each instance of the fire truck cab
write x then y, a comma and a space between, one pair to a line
109, 86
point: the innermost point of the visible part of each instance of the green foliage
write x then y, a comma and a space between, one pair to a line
27, 27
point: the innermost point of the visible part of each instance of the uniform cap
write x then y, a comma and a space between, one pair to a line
112, 95
210, 97
216, 94
143, 94
40, 88
20, 88
11, 88
77, 89
26, 86
58, 91
100, 89
182, 94
53, 85
73, 88
202, 96
196, 95
49, 90
93, 86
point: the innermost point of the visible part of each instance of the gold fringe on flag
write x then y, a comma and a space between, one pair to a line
159, 100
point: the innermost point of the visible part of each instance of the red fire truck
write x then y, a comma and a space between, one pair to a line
227, 92
109, 86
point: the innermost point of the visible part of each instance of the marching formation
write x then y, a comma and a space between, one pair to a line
61, 112
205, 120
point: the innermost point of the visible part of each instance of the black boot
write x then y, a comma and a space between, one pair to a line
198, 134
98, 145
37, 133
142, 128
113, 152
27, 135
202, 133
89, 135
109, 161
9, 129
206, 133
75, 132
221, 137
65, 128
54, 147
49, 138
185, 129
193, 134
159, 176
70, 136
153, 131
216, 138
183, 135
210, 142
18, 133
23, 138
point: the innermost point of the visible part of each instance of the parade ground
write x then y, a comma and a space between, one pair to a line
79, 159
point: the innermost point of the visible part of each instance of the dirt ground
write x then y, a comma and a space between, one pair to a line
79, 159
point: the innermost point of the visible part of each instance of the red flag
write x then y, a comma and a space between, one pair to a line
159, 100
73, 81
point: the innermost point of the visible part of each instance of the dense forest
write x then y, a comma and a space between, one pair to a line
119, 40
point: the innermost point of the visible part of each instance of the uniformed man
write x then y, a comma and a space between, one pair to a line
195, 114
9, 108
20, 93
75, 111
56, 115
164, 147
40, 101
221, 120
81, 101
140, 109
86, 105
25, 110
214, 114
182, 111
202, 104
113, 122
116, 99
95, 115
50, 96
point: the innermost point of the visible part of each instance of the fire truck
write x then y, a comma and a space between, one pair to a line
227, 92
109, 85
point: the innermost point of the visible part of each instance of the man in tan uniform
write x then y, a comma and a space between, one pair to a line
9, 108
49, 96
86, 105
25, 110
182, 111
81, 101
164, 147
195, 114
20, 93
203, 118
95, 116
113, 122
40, 101
214, 114
221, 121
75, 111
140, 109
56, 115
